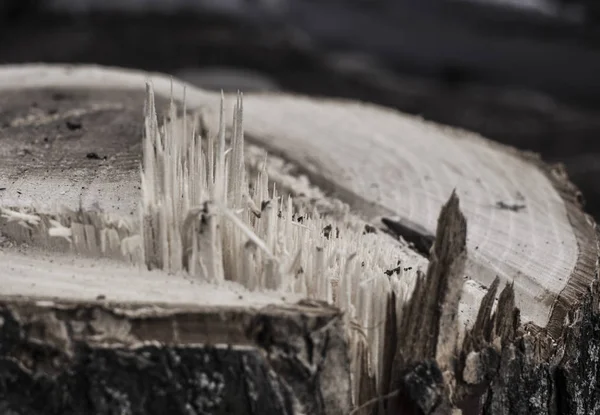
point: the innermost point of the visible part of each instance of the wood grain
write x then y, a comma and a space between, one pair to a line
525, 225
533, 345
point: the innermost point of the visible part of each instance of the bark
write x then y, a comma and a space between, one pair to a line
61, 358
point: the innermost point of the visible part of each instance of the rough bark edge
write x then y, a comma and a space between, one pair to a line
303, 347
584, 227
516, 371
501, 366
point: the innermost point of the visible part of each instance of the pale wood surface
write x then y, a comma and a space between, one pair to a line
386, 163
379, 161
51, 276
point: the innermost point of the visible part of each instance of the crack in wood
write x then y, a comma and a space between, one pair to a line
417, 237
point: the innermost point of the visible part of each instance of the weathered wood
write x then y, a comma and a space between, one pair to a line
60, 357
528, 349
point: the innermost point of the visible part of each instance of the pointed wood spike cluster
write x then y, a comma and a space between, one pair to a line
201, 213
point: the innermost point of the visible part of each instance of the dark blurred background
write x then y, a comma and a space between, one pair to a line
523, 72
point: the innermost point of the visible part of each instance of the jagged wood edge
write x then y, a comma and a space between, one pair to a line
40, 339
500, 366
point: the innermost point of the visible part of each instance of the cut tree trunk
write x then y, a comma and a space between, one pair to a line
505, 319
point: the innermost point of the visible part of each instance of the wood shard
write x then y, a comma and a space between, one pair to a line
428, 325
428, 321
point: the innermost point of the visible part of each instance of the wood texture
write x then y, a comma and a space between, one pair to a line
412, 169
59, 357
452, 91
529, 297
525, 222
83, 335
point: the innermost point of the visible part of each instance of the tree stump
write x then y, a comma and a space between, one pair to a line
501, 315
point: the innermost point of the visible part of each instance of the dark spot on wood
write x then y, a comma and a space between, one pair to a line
93, 156
421, 390
58, 96
393, 271
419, 239
328, 230
73, 125
2, 188
369, 229
101, 297
513, 207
